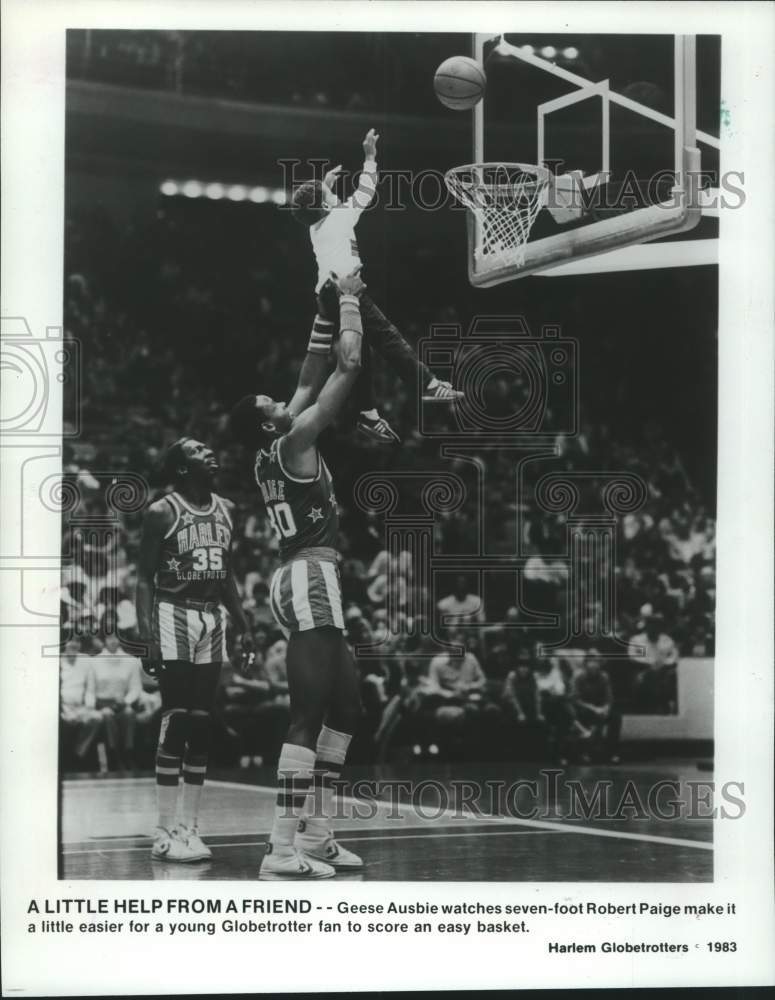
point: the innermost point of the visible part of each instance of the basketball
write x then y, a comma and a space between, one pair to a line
459, 83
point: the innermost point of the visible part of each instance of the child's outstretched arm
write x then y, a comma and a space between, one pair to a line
367, 183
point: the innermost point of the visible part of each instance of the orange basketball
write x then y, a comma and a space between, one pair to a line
459, 83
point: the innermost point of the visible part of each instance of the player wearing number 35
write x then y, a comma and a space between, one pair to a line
305, 594
185, 588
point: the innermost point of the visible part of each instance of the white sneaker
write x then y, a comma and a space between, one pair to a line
291, 865
190, 834
169, 846
322, 847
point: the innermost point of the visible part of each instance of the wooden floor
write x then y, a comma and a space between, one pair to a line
106, 822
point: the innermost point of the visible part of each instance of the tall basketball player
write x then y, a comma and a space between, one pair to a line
185, 589
297, 489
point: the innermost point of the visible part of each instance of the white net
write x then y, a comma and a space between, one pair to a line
505, 199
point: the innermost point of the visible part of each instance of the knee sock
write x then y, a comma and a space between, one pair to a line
195, 766
172, 739
331, 752
294, 781
194, 770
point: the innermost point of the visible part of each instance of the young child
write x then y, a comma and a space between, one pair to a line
332, 234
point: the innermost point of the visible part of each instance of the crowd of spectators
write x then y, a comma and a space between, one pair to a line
176, 322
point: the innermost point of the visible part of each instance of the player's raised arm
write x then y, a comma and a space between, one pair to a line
367, 182
315, 367
307, 427
157, 521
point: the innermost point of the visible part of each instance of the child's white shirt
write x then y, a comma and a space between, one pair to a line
333, 237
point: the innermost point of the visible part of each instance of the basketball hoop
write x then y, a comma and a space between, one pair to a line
505, 199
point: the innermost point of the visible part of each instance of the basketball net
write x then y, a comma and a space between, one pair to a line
505, 199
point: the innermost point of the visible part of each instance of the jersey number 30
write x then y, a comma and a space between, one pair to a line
281, 516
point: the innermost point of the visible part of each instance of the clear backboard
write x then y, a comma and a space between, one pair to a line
628, 127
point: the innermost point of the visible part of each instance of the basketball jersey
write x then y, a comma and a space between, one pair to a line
195, 556
303, 512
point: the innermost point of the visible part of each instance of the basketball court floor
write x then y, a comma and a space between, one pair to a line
424, 835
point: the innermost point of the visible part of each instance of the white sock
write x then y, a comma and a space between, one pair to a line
332, 750
194, 771
167, 800
294, 781
189, 810
433, 383
167, 777
370, 414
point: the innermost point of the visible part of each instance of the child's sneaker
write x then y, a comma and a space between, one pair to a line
377, 429
440, 392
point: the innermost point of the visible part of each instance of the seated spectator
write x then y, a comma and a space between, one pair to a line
379, 565
118, 690
455, 692
656, 685
556, 708
521, 696
456, 677
521, 702
594, 706
461, 607
386, 585
81, 723
126, 613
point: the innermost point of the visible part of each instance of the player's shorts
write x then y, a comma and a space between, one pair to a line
306, 593
192, 631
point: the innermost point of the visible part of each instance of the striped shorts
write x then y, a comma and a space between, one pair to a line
306, 594
190, 634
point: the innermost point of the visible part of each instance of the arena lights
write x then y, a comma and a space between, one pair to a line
216, 191
193, 189
548, 52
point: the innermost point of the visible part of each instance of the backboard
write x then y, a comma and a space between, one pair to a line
637, 116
